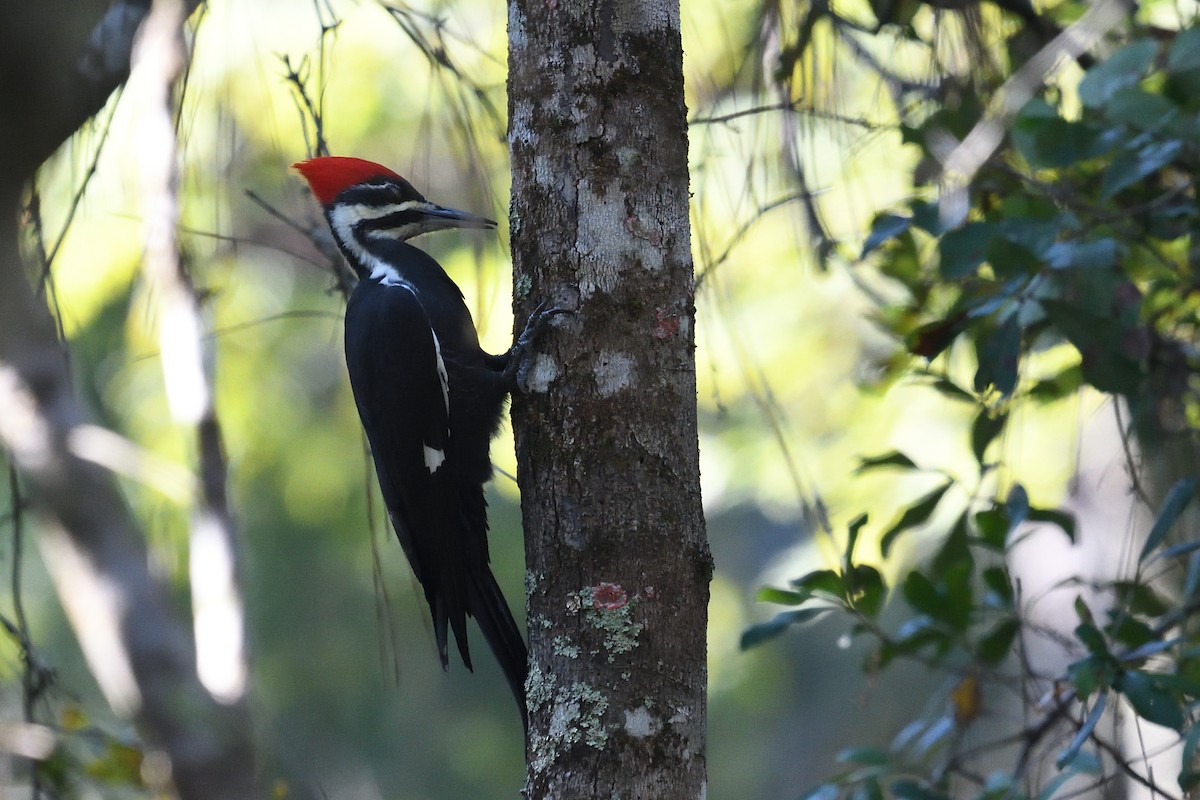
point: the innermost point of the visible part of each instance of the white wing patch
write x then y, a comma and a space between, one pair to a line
433, 458
443, 378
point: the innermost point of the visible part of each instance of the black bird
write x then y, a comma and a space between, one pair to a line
429, 397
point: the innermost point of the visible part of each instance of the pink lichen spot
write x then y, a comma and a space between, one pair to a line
667, 324
609, 597
650, 593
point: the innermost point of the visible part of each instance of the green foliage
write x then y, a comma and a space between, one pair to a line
1080, 235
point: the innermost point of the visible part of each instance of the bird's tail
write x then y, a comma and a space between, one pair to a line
490, 610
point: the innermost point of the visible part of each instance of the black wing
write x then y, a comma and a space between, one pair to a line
401, 390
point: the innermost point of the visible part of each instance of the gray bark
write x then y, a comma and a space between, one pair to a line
618, 563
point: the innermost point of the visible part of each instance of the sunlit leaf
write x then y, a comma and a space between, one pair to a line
892, 458
769, 594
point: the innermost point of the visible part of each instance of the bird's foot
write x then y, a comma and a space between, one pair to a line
537, 324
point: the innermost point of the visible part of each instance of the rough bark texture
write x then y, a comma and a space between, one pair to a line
618, 563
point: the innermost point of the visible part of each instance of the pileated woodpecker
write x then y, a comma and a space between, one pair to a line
430, 399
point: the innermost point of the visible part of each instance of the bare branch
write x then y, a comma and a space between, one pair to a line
216, 597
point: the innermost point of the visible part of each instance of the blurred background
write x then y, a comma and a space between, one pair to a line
796, 377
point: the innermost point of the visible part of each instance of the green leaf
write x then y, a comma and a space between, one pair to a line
1082, 254
962, 250
1092, 638
1046, 140
1110, 355
1056, 387
765, 631
1055, 516
1139, 598
885, 227
1084, 733
1121, 70
866, 590
960, 594
1189, 776
1185, 51
769, 594
920, 593
994, 647
984, 431
826, 581
951, 390
1130, 166
871, 756
1149, 700
912, 790
867, 790
892, 458
999, 355
999, 582
927, 216
1140, 109
993, 527
852, 530
931, 339
1130, 631
1083, 612
916, 514
1183, 62
1173, 506
1088, 673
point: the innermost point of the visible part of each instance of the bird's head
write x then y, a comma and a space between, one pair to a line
367, 203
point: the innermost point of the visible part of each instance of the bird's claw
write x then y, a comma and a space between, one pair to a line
535, 326
537, 323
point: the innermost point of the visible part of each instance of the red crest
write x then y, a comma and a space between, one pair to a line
328, 176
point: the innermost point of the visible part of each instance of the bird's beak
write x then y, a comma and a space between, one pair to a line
441, 217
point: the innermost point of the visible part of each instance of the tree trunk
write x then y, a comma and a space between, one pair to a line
618, 563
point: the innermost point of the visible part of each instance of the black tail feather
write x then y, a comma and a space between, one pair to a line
490, 610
